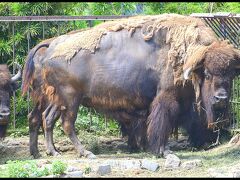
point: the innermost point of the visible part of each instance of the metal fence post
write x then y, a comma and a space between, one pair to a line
28, 93
43, 30
74, 25
105, 119
90, 113
58, 28
14, 95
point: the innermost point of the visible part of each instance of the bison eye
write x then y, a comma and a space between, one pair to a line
207, 75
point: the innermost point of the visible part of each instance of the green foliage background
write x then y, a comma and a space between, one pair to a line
33, 32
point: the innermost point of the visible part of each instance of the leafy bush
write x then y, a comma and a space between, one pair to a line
91, 121
26, 169
58, 167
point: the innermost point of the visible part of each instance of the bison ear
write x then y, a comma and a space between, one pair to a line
194, 60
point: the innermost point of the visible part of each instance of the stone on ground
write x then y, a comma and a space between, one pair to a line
104, 169
150, 165
125, 164
191, 164
172, 162
73, 174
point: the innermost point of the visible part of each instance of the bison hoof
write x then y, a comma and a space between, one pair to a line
36, 155
89, 155
53, 153
56, 154
166, 152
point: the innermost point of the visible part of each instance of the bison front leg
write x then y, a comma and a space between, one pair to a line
68, 120
163, 115
35, 121
50, 116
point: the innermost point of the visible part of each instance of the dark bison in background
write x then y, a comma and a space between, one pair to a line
147, 72
8, 84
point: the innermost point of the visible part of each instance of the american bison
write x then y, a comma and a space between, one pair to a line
147, 72
36, 116
8, 84
43, 114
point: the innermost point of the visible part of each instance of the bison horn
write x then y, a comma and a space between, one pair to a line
18, 75
186, 73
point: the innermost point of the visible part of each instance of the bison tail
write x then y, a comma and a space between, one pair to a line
29, 68
161, 122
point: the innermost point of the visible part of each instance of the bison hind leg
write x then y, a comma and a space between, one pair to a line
50, 116
35, 121
68, 123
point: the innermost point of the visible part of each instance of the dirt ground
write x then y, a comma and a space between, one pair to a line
222, 156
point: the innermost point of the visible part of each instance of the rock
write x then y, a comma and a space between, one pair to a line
43, 162
91, 156
236, 173
125, 164
217, 173
49, 176
150, 165
73, 174
72, 168
172, 162
104, 169
191, 164
65, 148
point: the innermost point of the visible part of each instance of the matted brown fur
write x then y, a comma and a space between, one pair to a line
182, 31
184, 35
50, 91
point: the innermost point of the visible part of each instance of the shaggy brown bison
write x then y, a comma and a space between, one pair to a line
147, 72
8, 84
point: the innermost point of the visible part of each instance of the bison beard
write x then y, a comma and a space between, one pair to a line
140, 66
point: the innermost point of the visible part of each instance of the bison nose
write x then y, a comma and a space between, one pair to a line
220, 98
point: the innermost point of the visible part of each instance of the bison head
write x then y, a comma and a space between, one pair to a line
7, 85
212, 69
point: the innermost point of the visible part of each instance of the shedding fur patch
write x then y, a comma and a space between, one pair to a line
181, 32
187, 40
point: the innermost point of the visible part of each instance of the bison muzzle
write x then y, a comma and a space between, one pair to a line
8, 84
